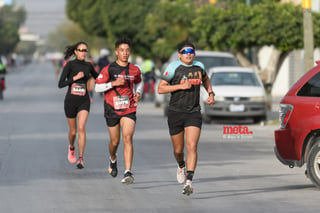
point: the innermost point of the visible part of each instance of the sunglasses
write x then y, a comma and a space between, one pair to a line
82, 50
188, 51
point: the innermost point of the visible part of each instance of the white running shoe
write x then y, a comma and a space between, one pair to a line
127, 178
187, 189
181, 174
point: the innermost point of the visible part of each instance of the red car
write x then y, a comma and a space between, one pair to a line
297, 141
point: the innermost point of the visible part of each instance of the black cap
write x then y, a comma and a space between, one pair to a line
185, 44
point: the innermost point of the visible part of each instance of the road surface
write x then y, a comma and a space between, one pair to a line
233, 174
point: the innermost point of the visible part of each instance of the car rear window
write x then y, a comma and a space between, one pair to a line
311, 88
234, 78
214, 61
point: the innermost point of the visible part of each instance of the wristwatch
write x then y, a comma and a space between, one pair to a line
211, 93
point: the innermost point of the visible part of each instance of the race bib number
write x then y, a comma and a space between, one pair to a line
78, 89
121, 102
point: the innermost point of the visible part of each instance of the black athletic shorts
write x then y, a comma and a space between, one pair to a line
71, 108
116, 119
177, 121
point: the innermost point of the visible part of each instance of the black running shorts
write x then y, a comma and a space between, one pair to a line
116, 119
71, 109
177, 121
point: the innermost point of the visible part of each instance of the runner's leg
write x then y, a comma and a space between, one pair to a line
114, 134
127, 126
72, 122
178, 146
82, 120
192, 139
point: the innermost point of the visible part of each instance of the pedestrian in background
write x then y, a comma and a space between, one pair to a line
3, 72
75, 75
103, 61
183, 79
147, 69
118, 81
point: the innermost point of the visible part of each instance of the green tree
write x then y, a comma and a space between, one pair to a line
69, 33
169, 26
113, 19
237, 27
10, 20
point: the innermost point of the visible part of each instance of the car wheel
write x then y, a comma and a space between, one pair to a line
206, 119
157, 104
313, 163
259, 119
1, 93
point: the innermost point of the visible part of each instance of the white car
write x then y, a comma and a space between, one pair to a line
208, 58
239, 93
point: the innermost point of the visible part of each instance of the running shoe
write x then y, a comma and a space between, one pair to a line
187, 189
127, 178
181, 174
113, 170
80, 163
71, 155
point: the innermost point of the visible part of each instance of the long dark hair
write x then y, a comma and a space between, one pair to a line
71, 48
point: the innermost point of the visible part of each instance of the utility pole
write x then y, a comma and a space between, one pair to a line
308, 35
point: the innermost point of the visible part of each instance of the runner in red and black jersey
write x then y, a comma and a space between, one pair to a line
122, 84
75, 75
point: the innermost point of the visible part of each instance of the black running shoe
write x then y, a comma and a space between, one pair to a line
127, 178
80, 163
113, 170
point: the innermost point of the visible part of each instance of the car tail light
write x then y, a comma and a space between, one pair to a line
284, 114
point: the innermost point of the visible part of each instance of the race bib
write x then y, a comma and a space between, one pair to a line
121, 102
78, 89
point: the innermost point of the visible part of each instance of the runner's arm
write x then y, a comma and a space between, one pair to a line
103, 87
139, 87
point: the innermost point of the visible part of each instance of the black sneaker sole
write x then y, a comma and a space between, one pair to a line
187, 190
114, 172
80, 166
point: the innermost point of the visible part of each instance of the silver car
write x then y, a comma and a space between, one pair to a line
239, 93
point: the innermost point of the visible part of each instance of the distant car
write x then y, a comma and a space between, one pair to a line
297, 141
239, 93
208, 58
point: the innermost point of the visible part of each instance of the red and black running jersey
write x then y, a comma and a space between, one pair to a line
119, 99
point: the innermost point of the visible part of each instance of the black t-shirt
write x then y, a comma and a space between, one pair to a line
177, 73
71, 69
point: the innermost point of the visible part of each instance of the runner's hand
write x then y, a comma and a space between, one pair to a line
118, 82
186, 85
78, 76
210, 100
137, 97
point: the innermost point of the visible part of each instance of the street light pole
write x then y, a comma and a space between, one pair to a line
308, 35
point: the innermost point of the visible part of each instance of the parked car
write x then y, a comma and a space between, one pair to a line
208, 58
239, 93
297, 141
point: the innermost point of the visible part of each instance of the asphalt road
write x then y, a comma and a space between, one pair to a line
233, 174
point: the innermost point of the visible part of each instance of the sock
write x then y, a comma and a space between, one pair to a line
113, 161
190, 175
181, 164
72, 148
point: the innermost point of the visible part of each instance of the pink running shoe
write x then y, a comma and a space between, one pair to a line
71, 155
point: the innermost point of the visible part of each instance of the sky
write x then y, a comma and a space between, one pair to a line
43, 16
